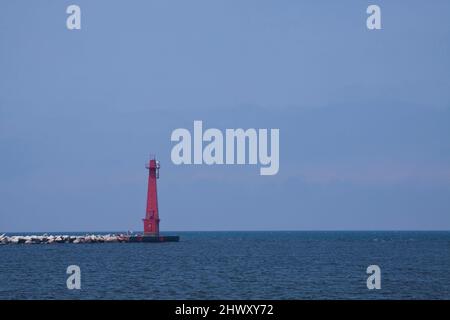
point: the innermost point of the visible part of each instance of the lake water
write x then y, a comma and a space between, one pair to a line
235, 265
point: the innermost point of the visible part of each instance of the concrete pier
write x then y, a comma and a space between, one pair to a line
79, 239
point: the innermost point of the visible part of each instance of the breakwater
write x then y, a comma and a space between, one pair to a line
50, 239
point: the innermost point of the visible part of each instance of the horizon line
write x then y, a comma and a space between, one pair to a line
287, 230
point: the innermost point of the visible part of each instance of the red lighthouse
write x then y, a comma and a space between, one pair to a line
151, 220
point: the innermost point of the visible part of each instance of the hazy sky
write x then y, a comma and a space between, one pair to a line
364, 116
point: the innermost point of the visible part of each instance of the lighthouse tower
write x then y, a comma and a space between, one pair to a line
151, 220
